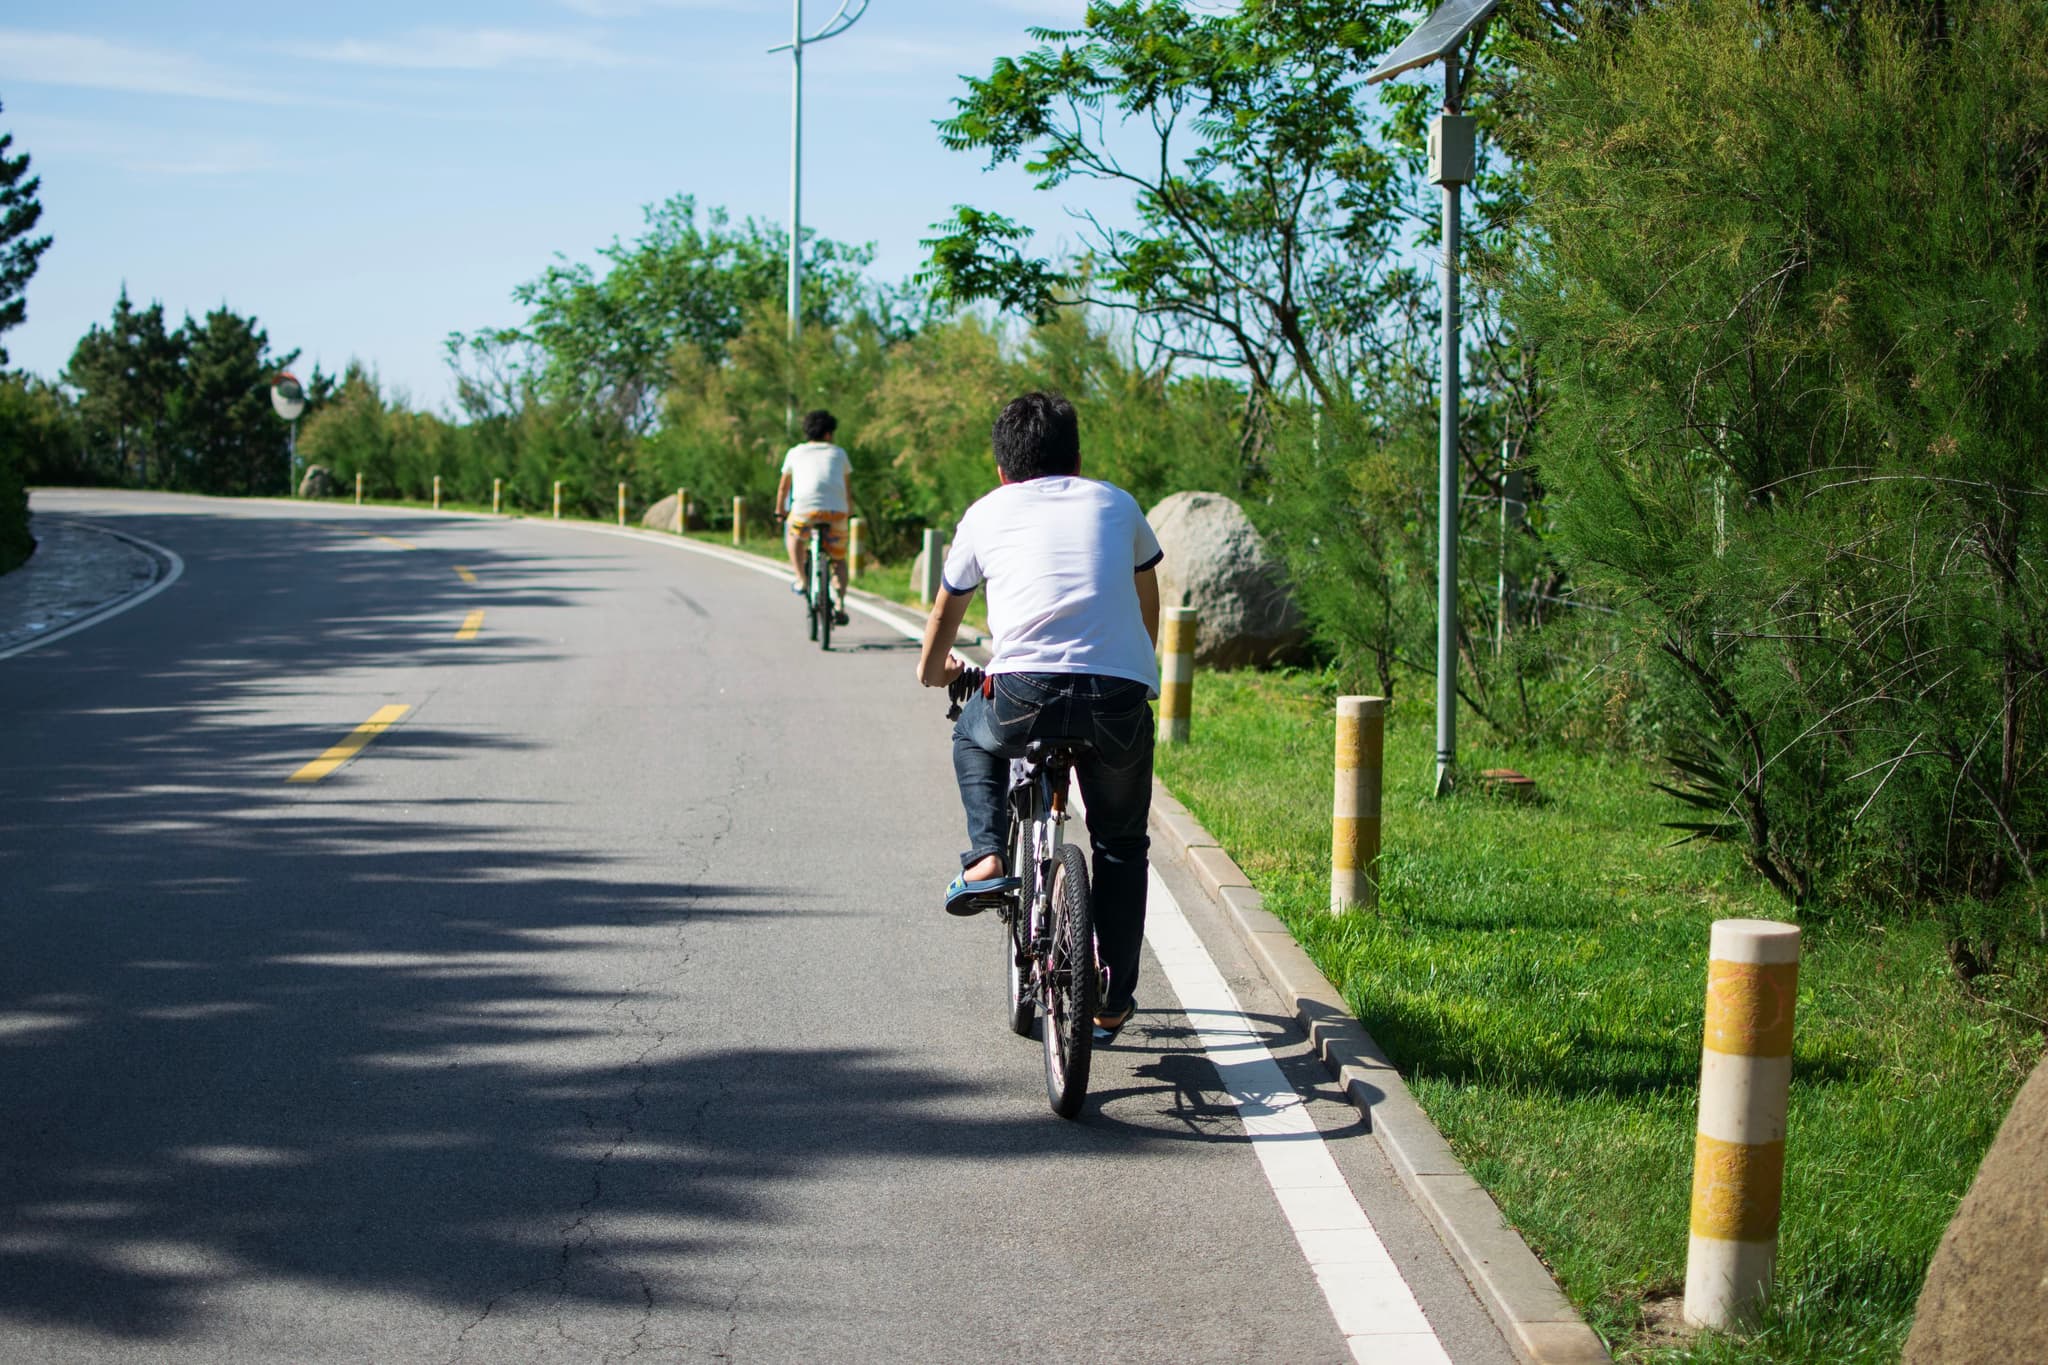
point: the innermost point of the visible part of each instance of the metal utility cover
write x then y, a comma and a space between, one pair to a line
1436, 37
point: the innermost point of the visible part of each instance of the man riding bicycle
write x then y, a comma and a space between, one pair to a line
1073, 606
817, 488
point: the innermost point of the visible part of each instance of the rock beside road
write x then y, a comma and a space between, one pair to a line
319, 482
1986, 1301
1217, 563
662, 515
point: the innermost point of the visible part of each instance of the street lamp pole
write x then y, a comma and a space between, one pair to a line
839, 23
1452, 161
796, 173
1447, 454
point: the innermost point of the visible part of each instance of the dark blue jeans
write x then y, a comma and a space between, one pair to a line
1115, 714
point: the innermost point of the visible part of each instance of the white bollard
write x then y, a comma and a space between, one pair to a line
1738, 1173
1176, 673
929, 579
1355, 808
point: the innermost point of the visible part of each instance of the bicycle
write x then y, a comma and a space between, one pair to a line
818, 604
1049, 960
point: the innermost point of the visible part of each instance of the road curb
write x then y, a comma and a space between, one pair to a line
1533, 1315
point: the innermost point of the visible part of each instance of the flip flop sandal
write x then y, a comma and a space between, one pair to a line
1106, 1032
971, 898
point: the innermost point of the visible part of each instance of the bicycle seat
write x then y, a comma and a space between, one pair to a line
1039, 750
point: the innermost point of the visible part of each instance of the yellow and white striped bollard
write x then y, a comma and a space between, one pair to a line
682, 510
558, 499
497, 488
853, 548
739, 520
1355, 806
622, 504
1738, 1172
1176, 673
437, 492
929, 574
359, 490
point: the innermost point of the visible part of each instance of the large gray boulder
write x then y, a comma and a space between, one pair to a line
1985, 1301
318, 482
1219, 565
662, 516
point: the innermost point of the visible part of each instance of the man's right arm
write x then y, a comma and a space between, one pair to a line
937, 665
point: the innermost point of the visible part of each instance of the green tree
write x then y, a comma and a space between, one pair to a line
600, 339
20, 211
230, 438
1267, 201
127, 375
1789, 268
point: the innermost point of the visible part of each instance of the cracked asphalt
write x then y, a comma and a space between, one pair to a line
601, 1009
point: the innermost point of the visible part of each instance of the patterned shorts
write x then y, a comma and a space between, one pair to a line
835, 531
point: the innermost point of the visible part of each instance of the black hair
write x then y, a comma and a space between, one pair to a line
1036, 436
818, 424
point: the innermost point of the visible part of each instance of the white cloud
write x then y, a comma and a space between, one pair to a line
234, 158
485, 49
624, 9
76, 59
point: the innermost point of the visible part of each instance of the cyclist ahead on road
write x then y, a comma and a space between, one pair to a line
817, 486
1073, 606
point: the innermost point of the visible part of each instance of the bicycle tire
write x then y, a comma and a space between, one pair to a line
821, 600
811, 591
1068, 983
1019, 1009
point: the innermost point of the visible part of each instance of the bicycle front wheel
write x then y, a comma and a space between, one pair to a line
1068, 985
811, 591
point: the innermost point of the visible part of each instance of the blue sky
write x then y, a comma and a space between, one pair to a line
366, 178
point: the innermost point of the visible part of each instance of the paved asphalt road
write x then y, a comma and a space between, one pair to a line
601, 1008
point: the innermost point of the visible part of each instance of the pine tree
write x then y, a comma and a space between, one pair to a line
19, 212
127, 376
232, 438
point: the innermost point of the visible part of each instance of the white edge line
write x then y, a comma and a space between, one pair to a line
107, 613
1370, 1301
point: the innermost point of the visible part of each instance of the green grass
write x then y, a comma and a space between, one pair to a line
1538, 972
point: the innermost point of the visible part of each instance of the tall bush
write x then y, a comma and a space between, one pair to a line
1786, 267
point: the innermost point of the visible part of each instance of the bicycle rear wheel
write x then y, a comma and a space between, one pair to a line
822, 598
1018, 1006
1068, 985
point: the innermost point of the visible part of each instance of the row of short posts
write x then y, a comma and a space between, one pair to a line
1746, 1052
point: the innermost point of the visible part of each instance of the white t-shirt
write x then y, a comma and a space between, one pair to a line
1060, 557
817, 477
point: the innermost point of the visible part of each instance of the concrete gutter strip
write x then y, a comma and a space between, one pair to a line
1538, 1322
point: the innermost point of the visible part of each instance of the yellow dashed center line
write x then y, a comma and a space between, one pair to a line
471, 624
353, 745
467, 576
401, 544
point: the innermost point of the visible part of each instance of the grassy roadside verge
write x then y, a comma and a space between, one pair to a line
1538, 972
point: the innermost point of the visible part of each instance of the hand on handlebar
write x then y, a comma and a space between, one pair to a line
965, 681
